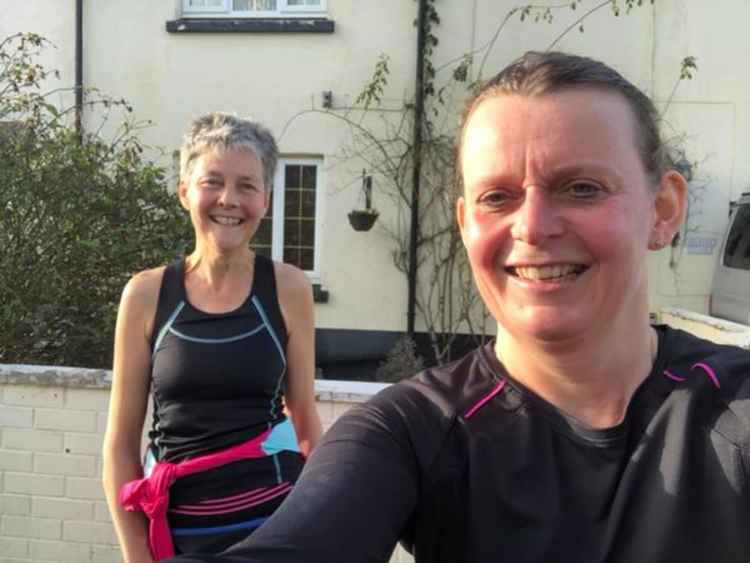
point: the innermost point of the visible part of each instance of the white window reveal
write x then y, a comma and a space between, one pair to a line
291, 230
253, 8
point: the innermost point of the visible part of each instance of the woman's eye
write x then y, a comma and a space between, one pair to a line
494, 198
583, 190
210, 183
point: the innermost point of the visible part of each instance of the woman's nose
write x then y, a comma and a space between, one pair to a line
537, 218
228, 196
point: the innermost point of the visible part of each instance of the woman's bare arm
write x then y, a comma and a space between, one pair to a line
127, 408
296, 303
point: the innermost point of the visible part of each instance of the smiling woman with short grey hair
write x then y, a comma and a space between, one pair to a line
224, 340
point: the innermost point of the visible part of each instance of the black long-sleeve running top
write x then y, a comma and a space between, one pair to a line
463, 464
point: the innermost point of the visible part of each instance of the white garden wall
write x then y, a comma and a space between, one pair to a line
52, 422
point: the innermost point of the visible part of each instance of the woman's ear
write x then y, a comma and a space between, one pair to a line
182, 194
670, 204
460, 214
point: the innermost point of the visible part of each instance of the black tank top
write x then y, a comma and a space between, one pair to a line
217, 379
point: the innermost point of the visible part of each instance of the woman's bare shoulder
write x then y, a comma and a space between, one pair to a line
294, 293
142, 290
290, 280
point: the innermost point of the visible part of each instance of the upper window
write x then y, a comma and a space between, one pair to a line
253, 8
290, 231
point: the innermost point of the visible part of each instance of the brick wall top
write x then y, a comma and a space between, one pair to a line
21, 374
83, 378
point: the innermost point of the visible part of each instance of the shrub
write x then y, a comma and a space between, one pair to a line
79, 214
401, 361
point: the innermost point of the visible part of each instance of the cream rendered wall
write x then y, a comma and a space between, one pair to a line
712, 112
55, 20
172, 77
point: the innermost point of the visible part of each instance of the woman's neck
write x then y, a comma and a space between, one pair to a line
214, 269
219, 283
590, 378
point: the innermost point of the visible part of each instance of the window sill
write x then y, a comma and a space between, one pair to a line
250, 25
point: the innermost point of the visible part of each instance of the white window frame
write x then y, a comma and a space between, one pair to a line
279, 193
283, 10
188, 9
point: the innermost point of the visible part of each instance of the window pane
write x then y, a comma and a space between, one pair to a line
291, 232
308, 177
253, 5
206, 3
292, 203
738, 242
292, 176
306, 259
291, 256
308, 204
307, 232
303, 2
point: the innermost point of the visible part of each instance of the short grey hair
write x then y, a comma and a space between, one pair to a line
223, 131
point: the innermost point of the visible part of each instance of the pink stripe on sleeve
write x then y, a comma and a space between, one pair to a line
709, 371
672, 376
479, 404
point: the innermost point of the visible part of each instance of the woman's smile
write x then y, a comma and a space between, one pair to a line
548, 273
226, 221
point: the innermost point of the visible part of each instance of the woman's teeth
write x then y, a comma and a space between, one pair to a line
231, 221
537, 273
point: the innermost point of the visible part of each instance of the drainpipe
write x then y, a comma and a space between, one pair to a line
417, 169
79, 68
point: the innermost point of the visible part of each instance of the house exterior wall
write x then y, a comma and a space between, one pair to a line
52, 421
276, 77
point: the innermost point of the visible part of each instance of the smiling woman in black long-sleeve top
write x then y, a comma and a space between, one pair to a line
582, 433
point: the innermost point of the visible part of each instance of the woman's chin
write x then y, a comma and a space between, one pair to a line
546, 324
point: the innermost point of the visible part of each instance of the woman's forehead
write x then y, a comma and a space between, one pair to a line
234, 161
583, 123
591, 106
212, 155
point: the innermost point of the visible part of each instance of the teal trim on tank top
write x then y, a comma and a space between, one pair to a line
261, 311
166, 327
277, 392
216, 340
